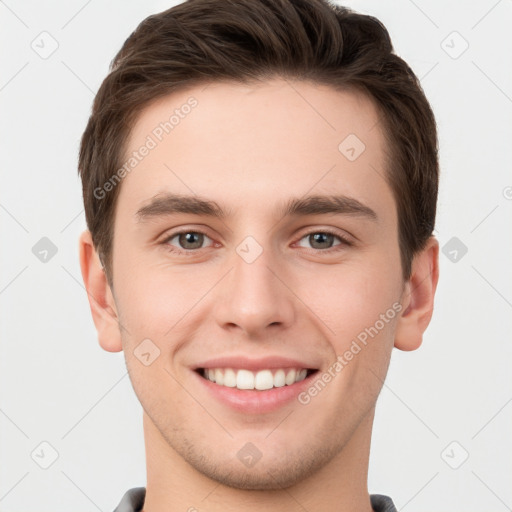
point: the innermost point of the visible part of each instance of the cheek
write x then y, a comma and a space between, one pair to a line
351, 298
361, 309
154, 300
154, 306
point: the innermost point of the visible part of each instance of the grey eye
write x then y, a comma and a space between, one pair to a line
320, 240
189, 240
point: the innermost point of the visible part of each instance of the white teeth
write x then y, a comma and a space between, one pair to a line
279, 379
290, 377
264, 380
219, 377
301, 375
245, 379
261, 380
229, 378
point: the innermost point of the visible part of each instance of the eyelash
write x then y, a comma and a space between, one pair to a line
192, 252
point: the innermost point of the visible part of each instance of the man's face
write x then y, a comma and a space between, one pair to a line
258, 288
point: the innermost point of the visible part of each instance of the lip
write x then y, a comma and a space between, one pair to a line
251, 401
263, 363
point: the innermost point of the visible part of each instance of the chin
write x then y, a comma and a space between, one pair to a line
265, 475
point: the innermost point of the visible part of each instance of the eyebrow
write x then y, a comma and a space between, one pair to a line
169, 204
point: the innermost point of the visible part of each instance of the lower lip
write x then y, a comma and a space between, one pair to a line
255, 401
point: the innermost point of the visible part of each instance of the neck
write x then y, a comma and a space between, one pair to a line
174, 485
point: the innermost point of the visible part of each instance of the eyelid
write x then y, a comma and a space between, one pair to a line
173, 234
345, 239
307, 230
192, 228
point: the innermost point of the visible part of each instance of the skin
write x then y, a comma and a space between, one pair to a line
251, 148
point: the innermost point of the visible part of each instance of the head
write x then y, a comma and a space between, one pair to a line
280, 121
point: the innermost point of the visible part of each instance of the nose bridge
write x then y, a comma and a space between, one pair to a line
253, 298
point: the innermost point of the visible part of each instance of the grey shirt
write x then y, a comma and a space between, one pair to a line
133, 501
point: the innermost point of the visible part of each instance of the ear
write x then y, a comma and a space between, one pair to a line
418, 297
101, 299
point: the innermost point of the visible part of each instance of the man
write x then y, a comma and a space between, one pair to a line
260, 182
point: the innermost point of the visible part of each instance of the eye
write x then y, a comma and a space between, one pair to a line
324, 240
186, 240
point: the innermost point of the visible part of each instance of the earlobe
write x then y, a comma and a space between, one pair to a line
99, 294
418, 297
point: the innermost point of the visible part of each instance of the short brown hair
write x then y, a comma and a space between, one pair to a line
201, 41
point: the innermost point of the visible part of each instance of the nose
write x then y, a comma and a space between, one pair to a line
254, 297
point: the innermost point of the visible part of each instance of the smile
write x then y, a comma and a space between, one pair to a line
260, 380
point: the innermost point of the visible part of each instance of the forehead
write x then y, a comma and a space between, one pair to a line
238, 143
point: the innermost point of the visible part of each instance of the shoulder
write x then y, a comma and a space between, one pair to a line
132, 501
381, 503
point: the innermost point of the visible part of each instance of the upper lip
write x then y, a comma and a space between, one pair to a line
268, 362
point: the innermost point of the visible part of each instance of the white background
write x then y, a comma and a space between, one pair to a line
57, 385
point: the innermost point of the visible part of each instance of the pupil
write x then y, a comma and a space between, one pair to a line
320, 238
188, 238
